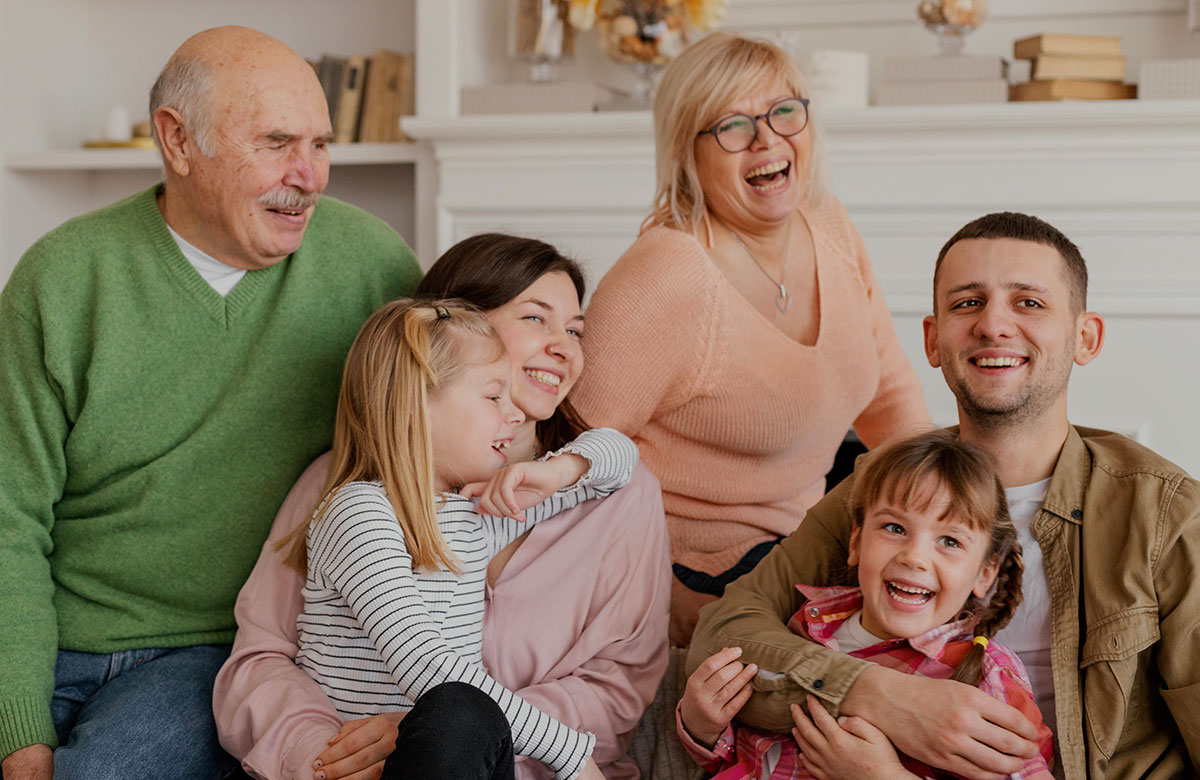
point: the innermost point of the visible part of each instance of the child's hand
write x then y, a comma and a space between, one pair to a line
844, 749
715, 692
361, 745
515, 488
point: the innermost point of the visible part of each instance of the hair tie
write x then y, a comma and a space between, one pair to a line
442, 312
982, 641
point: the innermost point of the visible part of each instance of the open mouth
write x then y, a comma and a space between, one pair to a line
999, 362
548, 378
908, 594
288, 212
500, 446
771, 176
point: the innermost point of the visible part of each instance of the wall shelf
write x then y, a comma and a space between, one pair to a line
148, 159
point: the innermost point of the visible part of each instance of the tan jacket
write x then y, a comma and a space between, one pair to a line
1120, 536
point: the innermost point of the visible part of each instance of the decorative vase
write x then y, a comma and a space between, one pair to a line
645, 34
951, 21
539, 34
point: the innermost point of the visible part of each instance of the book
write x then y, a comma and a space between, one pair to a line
1169, 79
388, 95
535, 98
1062, 43
1066, 66
345, 125
960, 67
330, 71
929, 93
1073, 89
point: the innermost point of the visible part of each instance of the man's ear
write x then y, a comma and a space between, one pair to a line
852, 557
929, 324
1090, 327
173, 140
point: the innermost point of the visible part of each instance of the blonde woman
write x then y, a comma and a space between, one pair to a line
743, 333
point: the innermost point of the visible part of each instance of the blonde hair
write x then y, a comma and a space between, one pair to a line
899, 473
405, 352
696, 90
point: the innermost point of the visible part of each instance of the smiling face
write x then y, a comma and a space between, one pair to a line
249, 203
472, 421
542, 328
917, 566
764, 184
1007, 331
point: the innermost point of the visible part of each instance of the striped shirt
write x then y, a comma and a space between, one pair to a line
744, 753
376, 635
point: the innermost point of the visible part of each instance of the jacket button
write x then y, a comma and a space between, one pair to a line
818, 684
1077, 514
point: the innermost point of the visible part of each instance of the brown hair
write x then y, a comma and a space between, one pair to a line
695, 89
405, 352
1022, 227
489, 270
898, 472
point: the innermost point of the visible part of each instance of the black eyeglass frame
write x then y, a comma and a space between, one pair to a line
754, 121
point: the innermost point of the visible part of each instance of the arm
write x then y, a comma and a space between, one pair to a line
1179, 614
270, 714
651, 330
358, 549
34, 427
593, 653
898, 405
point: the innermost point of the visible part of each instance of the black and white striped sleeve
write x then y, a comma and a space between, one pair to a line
611, 457
358, 549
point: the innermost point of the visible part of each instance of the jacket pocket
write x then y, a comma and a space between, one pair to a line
1113, 668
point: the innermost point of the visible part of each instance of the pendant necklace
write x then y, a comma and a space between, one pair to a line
783, 301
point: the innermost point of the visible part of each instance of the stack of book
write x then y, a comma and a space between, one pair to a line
1073, 67
367, 95
911, 81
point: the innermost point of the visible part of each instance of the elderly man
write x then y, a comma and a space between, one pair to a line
1110, 624
171, 364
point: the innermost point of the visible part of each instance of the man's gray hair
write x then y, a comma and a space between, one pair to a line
185, 85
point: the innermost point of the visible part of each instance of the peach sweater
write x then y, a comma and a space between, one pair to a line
738, 421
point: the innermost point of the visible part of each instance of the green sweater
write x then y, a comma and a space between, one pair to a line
149, 429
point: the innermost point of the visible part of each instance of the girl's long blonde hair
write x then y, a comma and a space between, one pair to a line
404, 352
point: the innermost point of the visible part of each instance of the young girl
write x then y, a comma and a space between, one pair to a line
939, 572
396, 554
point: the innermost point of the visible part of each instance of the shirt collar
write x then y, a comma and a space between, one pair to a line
825, 609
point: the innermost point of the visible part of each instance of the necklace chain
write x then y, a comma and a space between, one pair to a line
783, 300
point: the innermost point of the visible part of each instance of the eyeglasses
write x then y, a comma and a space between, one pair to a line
736, 132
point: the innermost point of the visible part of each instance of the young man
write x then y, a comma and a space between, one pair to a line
171, 363
1111, 532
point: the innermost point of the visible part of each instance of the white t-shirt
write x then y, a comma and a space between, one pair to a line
1028, 633
222, 278
851, 635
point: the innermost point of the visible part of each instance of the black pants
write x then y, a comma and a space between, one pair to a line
455, 732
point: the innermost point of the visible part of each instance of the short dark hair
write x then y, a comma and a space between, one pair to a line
1022, 227
489, 270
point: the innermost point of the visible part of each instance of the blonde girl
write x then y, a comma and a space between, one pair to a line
939, 572
396, 553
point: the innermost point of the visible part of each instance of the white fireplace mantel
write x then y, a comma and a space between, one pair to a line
1121, 178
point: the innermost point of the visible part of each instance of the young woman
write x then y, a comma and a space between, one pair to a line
577, 608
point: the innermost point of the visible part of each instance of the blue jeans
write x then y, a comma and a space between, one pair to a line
138, 713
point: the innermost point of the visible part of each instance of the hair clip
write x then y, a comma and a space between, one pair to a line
442, 312
982, 641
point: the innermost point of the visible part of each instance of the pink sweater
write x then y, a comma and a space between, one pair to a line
576, 625
740, 422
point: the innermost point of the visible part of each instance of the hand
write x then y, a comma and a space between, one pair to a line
590, 771
968, 733
32, 762
715, 692
515, 488
844, 749
359, 749
685, 608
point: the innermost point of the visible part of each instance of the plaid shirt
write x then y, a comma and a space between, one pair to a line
740, 753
